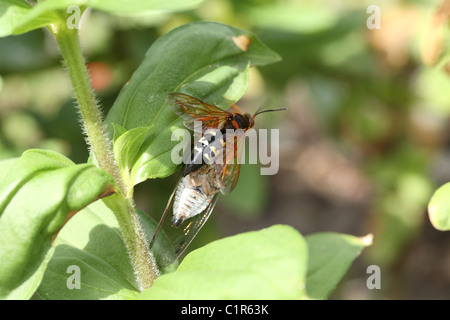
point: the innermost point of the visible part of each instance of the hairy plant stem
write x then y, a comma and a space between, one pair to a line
90, 113
142, 259
121, 203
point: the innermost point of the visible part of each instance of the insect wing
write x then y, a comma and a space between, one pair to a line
161, 245
189, 228
179, 238
234, 109
228, 173
191, 109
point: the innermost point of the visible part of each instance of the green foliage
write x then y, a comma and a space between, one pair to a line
273, 263
41, 189
266, 264
201, 59
38, 191
92, 240
330, 256
127, 147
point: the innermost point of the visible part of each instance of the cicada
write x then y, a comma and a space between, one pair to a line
213, 169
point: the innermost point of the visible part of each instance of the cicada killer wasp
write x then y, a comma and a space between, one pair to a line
200, 181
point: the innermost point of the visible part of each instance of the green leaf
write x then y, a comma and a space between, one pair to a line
439, 208
127, 148
92, 241
266, 264
330, 256
205, 59
37, 192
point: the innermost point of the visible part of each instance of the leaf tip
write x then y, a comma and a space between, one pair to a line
431, 211
366, 240
433, 215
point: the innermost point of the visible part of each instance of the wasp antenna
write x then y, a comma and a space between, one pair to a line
268, 110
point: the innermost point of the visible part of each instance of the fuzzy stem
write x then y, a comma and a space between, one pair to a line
122, 203
90, 112
141, 257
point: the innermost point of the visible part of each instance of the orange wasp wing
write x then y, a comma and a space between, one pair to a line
191, 109
228, 172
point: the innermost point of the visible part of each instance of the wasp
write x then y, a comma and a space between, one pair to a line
213, 169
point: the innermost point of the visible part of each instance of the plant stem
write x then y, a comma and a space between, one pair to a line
122, 203
90, 112
142, 259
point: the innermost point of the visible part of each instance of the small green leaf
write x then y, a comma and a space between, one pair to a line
439, 208
127, 148
330, 256
205, 59
118, 131
266, 264
37, 193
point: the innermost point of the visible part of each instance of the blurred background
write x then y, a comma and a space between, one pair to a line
364, 143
